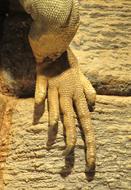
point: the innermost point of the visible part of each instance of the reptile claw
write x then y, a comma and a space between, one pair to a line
90, 171
91, 107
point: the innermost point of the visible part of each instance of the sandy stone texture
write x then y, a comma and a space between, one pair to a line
29, 165
103, 45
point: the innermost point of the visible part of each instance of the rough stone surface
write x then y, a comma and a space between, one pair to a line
103, 45
29, 165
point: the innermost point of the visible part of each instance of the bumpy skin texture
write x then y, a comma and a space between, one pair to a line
59, 78
69, 92
55, 24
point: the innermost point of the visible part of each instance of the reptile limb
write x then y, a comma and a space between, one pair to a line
58, 76
67, 87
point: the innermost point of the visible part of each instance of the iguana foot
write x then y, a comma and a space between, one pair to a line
66, 87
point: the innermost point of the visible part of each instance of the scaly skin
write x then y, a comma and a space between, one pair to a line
66, 86
54, 26
58, 75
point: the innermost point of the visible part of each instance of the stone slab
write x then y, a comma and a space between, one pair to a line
29, 165
103, 45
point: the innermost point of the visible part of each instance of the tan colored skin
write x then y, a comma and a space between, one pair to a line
59, 78
65, 89
58, 71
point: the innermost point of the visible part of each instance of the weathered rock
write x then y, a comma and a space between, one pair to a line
103, 45
29, 165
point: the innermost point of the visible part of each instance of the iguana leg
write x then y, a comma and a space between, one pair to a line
64, 89
57, 69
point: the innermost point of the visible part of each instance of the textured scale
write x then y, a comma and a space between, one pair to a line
55, 24
59, 78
